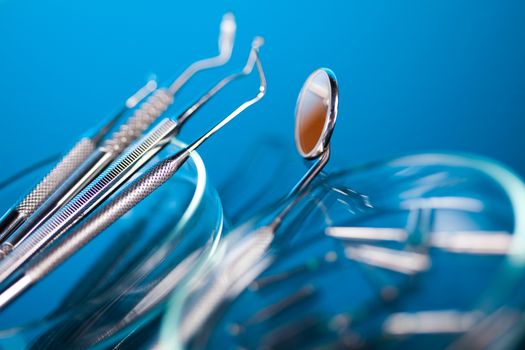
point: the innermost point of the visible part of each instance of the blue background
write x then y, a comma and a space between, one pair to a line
414, 75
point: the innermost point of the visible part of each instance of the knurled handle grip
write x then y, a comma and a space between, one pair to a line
104, 217
89, 198
72, 160
141, 119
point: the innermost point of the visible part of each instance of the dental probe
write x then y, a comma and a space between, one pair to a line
141, 119
116, 207
111, 179
16, 216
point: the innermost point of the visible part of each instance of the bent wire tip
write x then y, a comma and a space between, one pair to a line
226, 41
262, 77
262, 91
132, 101
246, 70
115, 208
228, 23
257, 42
228, 29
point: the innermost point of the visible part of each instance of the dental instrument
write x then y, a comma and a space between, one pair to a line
115, 208
316, 114
16, 216
100, 158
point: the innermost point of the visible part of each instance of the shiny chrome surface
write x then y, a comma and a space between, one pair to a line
244, 254
116, 207
316, 112
73, 159
142, 118
105, 184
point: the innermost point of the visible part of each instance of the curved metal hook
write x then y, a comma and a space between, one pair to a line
226, 40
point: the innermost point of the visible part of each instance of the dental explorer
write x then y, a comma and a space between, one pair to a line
117, 206
15, 216
110, 180
141, 119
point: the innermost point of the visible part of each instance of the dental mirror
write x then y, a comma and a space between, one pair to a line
245, 247
316, 113
315, 116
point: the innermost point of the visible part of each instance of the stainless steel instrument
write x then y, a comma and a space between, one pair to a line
16, 216
111, 211
86, 169
244, 258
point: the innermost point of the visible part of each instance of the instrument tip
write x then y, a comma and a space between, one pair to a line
257, 42
228, 25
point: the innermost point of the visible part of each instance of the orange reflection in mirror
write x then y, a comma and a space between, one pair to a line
313, 118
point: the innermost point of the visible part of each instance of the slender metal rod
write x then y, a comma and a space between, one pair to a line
236, 112
114, 209
101, 188
246, 253
298, 192
89, 168
76, 156
123, 168
226, 40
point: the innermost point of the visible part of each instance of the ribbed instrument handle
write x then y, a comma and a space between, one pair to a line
76, 156
104, 217
141, 119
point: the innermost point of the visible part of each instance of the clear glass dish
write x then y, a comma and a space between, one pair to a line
119, 282
424, 251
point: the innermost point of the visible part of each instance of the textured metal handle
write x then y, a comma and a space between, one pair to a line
117, 207
55, 177
104, 185
141, 119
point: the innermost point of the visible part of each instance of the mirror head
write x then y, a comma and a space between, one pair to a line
315, 113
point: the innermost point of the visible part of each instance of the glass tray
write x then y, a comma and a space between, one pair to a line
424, 251
119, 282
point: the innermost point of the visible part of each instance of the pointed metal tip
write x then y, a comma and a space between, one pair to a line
228, 25
257, 42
